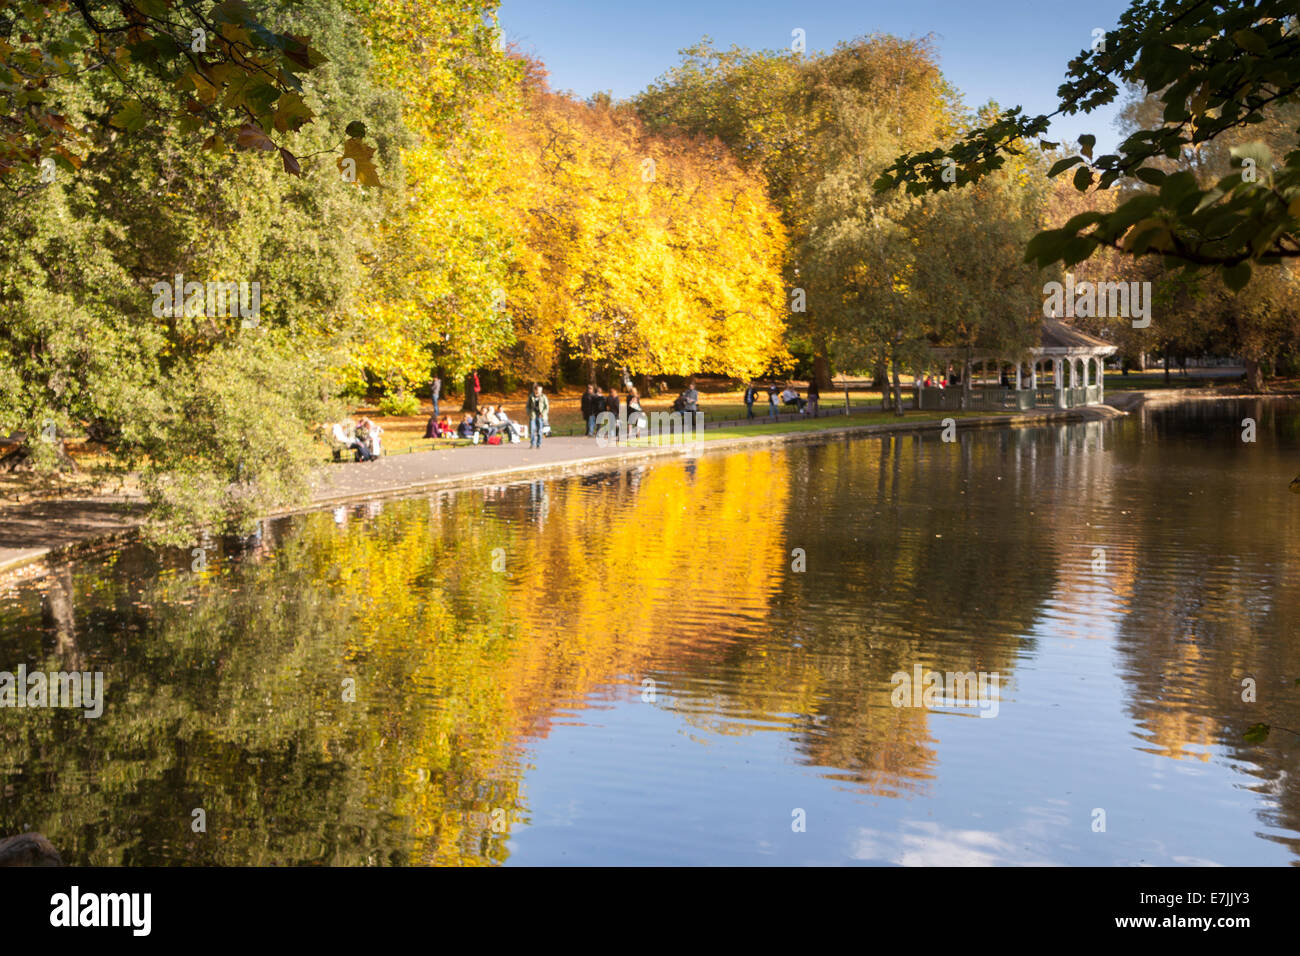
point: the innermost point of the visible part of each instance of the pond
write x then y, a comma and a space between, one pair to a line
1041, 645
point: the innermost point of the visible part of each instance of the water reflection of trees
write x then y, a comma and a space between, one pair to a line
1218, 585
225, 687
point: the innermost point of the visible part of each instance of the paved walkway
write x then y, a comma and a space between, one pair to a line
28, 532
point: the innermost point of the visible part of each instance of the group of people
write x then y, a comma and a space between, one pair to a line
788, 396
935, 381
492, 421
362, 438
492, 424
593, 403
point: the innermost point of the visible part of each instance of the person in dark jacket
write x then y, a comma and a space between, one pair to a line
814, 397
751, 395
588, 411
611, 406
539, 413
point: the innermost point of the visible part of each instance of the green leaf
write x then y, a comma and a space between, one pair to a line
1235, 278
1251, 42
1082, 219
1256, 733
1062, 165
1177, 186
1151, 176
130, 117
1261, 154
1082, 178
1045, 247
1086, 142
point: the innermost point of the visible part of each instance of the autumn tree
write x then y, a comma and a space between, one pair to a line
655, 254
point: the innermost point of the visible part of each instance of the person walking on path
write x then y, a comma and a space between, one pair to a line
814, 397
539, 410
597, 406
588, 413
611, 406
771, 402
751, 395
435, 390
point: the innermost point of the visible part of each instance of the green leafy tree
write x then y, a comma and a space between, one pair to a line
1215, 69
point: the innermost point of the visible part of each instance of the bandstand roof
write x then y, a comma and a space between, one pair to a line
1057, 339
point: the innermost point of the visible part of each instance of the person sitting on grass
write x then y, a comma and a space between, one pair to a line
444, 428
466, 428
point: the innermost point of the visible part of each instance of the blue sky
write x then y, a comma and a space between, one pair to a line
1012, 51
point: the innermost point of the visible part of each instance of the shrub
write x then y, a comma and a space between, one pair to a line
400, 403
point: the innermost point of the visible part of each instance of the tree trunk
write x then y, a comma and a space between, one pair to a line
1254, 375
23, 458
898, 390
59, 616
1166, 366
471, 397
881, 377
821, 372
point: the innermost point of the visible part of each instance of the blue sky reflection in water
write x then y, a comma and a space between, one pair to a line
506, 717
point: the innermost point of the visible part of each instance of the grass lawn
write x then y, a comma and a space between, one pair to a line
404, 434
1141, 381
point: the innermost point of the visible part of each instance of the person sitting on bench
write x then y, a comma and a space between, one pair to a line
488, 423
791, 397
513, 430
343, 437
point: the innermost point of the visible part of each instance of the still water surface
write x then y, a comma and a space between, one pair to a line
690, 662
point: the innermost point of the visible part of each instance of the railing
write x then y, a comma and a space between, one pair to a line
980, 399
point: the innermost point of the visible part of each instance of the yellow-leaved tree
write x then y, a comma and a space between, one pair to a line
439, 284
650, 253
